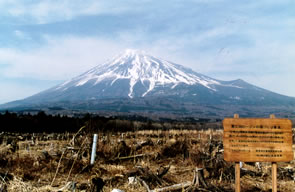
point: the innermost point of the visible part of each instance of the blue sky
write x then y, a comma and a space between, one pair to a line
45, 42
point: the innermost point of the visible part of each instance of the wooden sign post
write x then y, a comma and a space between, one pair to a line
274, 167
237, 170
257, 140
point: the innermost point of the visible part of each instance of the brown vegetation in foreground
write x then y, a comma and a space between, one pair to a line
130, 161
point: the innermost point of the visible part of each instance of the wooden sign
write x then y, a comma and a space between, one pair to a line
257, 140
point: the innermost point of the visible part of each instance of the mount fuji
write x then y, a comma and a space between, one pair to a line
136, 81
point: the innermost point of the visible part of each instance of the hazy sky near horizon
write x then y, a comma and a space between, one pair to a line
45, 42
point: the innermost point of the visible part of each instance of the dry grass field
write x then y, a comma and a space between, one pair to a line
130, 161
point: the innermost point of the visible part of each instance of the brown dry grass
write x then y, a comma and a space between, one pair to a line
40, 165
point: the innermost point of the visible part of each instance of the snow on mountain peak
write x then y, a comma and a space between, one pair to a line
138, 67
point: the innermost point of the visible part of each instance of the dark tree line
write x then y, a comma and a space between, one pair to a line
41, 122
46, 123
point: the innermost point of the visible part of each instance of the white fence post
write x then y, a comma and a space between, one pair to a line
93, 149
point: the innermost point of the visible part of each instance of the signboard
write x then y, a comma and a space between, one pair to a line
257, 140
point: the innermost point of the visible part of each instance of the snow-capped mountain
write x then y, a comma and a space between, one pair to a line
140, 71
139, 78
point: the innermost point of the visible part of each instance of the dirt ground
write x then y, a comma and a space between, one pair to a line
132, 161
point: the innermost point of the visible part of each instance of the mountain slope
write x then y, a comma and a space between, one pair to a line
134, 76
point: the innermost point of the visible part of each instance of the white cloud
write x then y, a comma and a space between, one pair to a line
45, 11
59, 59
